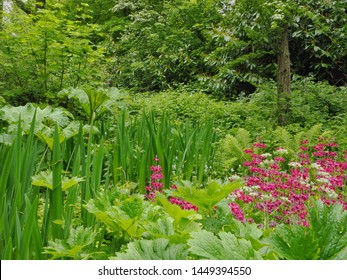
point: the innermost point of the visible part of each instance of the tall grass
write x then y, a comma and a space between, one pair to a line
19, 229
184, 151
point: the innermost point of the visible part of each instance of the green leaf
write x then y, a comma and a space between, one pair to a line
74, 246
325, 238
329, 225
44, 179
224, 247
204, 198
158, 249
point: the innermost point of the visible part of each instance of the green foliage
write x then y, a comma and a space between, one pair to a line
224, 247
204, 198
311, 103
230, 151
44, 179
19, 228
183, 222
183, 149
95, 102
194, 107
44, 118
123, 215
45, 52
76, 247
158, 249
161, 44
325, 238
247, 36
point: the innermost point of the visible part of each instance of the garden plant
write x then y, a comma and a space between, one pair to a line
173, 130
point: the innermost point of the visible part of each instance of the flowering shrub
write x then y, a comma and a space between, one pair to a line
279, 185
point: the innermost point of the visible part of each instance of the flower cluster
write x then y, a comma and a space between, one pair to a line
157, 186
278, 186
182, 203
155, 183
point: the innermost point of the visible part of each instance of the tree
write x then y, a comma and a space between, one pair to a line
161, 44
42, 53
256, 38
1, 12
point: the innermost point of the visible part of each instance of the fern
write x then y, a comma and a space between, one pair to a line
231, 149
243, 137
284, 138
313, 133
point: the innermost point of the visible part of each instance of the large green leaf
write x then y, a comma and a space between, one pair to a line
325, 238
204, 198
74, 247
224, 247
294, 243
44, 179
158, 249
130, 214
45, 118
329, 225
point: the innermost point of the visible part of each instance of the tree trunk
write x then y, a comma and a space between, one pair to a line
283, 77
1, 12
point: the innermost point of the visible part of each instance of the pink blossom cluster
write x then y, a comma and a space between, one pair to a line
278, 186
182, 203
157, 186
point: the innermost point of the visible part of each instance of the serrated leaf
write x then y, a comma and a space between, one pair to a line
158, 249
205, 198
224, 247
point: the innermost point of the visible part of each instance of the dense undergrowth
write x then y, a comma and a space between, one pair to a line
174, 175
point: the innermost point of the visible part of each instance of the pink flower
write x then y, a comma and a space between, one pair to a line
259, 145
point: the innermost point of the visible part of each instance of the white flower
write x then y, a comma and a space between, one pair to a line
235, 177
282, 151
295, 164
323, 180
316, 166
266, 155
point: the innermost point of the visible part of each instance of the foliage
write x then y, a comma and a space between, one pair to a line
204, 198
95, 102
224, 247
76, 247
247, 39
45, 52
159, 249
123, 215
325, 238
161, 44
311, 103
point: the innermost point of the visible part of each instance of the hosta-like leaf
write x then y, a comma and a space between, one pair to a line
158, 249
224, 247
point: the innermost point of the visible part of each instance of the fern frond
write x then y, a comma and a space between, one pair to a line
284, 137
